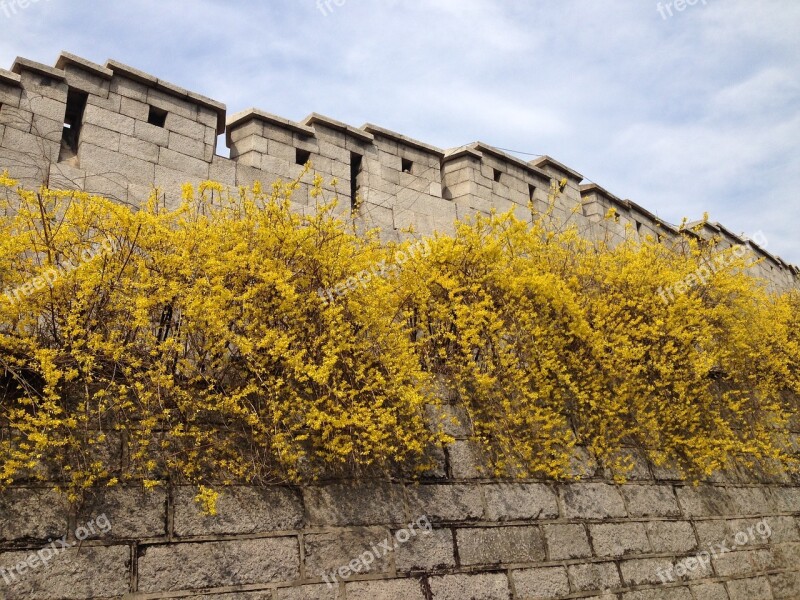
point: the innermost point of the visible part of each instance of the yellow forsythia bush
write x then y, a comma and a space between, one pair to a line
231, 339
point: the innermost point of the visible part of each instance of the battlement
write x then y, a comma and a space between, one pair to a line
115, 130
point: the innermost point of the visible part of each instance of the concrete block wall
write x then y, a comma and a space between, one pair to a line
133, 131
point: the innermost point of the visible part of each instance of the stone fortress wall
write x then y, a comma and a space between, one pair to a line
118, 131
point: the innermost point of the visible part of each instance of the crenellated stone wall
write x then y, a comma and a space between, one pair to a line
118, 131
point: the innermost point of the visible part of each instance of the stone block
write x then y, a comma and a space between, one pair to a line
594, 576
676, 593
426, 551
99, 160
785, 499
240, 510
132, 513
186, 127
520, 501
709, 591
71, 574
307, 592
671, 536
32, 514
327, 553
185, 164
500, 545
465, 460
105, 138
408, 589
34, 84
453, 420
223, 170
45, 107
188, 146
742, 562
538, 584
151, 133
10, 96
80, 79
171, 104
712, 531
108, 120
591, 501
128, 88
172, 567
619, 539
748, 501
485, 586
138, 148
650, 500
566, 541
445, 502
365, 504
749, 589
786, 585
644, 571
35, 148
704, 501
134, 108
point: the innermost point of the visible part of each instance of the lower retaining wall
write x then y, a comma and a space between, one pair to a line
652, 538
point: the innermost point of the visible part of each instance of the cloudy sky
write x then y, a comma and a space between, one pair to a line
684, 113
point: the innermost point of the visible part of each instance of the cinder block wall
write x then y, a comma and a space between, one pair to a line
130, 131
736, 537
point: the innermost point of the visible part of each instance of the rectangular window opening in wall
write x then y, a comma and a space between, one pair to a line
301, 157
157, 117
73, 119
497, 175
406, 165
356, 161
531, 192
638, 227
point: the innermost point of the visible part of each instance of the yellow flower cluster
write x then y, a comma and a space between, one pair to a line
201, 345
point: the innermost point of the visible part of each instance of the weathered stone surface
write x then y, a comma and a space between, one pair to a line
520, 501
239, 510
594, 576
671, 536
704, 501
132, 513
487, 586
619, 539
445, 502
426, 551
190, 566
466, 461
71, 574
591, 501
309, 592
535, 584
710, 591
407, 589
367, 504
500, 545
749, 589
566, 541
650, 500
362, 550
32, 513
643, 571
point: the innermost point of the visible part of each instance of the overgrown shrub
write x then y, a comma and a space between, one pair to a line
203, 339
